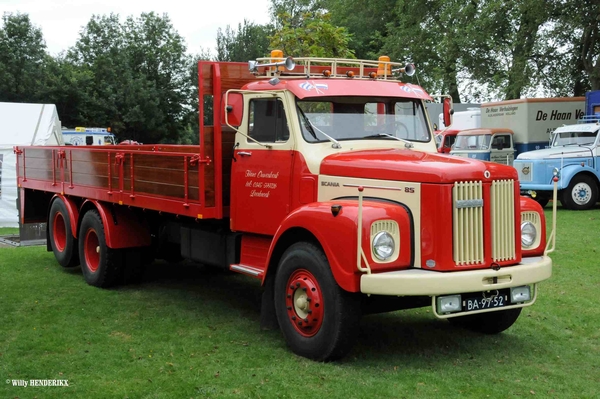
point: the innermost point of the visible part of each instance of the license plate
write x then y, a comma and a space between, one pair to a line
485, 300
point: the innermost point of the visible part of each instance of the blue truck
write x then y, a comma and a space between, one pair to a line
573, 156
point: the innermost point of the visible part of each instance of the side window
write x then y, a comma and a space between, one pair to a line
267, 121
501, 141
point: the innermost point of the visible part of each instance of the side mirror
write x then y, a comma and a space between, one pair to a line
448, 111
233, 110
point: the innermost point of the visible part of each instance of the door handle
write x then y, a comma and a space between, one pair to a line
244, 153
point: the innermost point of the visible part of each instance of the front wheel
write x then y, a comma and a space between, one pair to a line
488, 323
319, 320
582, 193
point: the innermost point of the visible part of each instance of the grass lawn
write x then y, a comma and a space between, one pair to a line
190, 332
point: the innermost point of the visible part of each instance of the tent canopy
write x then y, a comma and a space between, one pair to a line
22, 124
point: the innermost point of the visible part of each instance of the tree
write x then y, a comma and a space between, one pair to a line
23, 59
249, 42
139, 77
365, 21
313, 36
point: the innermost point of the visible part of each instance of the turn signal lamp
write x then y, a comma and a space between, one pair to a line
382, 68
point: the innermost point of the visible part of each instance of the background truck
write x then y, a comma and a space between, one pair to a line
573, 155
532, 120
319, 178
88, 136
461, 120
494, 145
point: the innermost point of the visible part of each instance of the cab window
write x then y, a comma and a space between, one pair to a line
267, 121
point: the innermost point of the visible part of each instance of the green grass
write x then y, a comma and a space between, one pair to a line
5, 231
189, 332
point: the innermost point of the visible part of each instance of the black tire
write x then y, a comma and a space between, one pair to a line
324, 325
582, 193
488, 323
542, 201
63, 244
101, 266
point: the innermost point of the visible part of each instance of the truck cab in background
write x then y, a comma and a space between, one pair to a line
88, 136
461, 120
574, 157
494, 145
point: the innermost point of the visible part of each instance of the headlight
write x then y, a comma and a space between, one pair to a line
383, 245
528, 234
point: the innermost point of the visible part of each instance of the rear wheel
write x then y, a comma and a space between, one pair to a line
319, 320
582, 193
63, 244
101, 265
488, 323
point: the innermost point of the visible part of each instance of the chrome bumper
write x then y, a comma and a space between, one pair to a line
414, 282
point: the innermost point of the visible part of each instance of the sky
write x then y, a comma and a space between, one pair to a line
196, 21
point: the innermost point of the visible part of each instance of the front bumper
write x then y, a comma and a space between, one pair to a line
418, 282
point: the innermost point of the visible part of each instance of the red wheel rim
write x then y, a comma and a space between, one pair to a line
304, 303
59, 232
92, 250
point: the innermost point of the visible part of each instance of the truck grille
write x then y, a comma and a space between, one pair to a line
503, 220
468, 223
468, 228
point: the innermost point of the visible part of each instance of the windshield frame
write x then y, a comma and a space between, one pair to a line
574, 136
374, 122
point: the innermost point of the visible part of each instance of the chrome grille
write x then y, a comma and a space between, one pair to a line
503, 220
468, 223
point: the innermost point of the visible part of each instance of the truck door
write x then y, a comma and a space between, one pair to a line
502, 150
261, 176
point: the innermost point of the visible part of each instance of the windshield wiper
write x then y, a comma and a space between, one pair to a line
311, 129
407, 144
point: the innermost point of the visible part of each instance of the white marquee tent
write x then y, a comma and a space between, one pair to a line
22, 124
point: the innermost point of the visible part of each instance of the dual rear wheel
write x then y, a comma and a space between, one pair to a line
101, 265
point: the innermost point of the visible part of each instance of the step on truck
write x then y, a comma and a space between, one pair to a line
318, 177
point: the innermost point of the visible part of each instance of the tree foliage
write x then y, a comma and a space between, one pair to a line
311, 34
140, 76
23, 60
249, 42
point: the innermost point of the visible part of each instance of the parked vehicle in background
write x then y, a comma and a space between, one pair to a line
462, 120
532, 120
88, 136
494, 145
318, 177
573, 155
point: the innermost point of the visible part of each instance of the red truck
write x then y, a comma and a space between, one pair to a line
318, 177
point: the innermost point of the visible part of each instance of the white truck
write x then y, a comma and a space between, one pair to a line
88, 136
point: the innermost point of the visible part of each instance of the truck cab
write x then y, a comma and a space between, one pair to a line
573, 157
494, 145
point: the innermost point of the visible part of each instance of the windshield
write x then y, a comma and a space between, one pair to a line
352, 118
472, 142
574, 138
